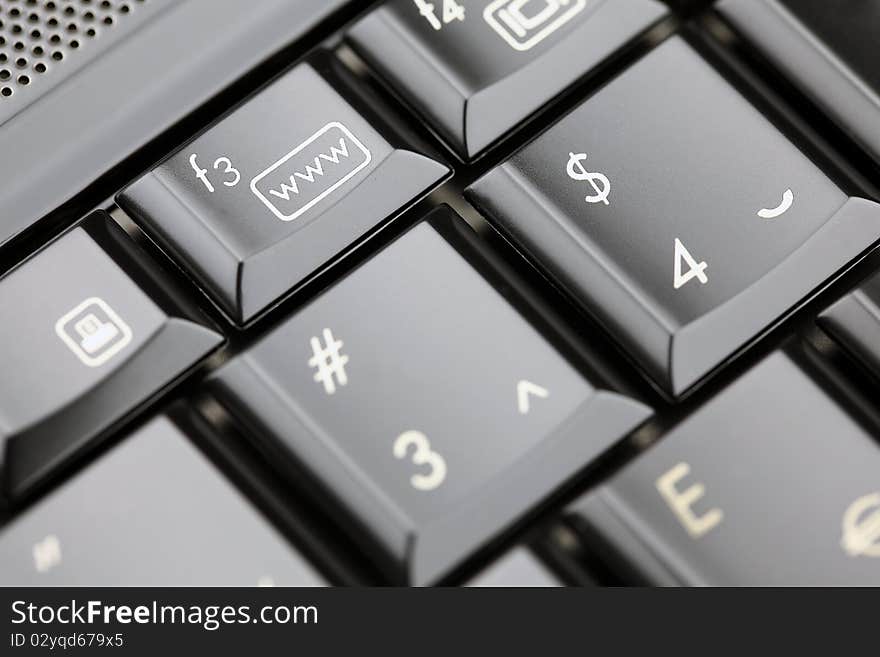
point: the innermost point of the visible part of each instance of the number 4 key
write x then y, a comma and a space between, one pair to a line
695, 269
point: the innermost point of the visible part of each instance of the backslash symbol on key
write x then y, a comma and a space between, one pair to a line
329, 361
311, 172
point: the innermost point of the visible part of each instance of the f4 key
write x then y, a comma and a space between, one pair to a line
478, 70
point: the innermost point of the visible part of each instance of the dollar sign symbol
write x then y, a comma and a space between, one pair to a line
599, 182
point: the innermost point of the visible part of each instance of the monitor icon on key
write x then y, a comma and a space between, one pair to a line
523, 24
93, 332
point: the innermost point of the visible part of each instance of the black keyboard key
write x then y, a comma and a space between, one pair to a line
851, 30
276, 190
854, 322
476, 70
135, 79
519, 568
83, 346
828, 49
151, 512
433, 414
770, 483
685, 231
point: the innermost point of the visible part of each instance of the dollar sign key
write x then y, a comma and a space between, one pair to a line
598, 181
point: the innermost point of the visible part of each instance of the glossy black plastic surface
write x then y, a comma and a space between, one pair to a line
159, 514
87, 346
433, 414
275, 190
685, 228
477, 77
769, 483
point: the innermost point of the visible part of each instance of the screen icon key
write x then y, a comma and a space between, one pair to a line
523, 24
93, 331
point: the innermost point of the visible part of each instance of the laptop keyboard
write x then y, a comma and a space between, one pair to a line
464, 292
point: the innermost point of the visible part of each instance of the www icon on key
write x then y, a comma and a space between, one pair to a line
311, 171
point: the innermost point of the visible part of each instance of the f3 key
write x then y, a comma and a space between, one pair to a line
276, 190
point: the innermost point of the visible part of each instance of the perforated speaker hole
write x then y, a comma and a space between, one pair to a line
37, 37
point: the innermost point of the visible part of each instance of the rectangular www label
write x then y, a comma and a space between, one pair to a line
311, 171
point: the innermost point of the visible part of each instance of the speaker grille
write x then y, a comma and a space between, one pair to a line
41, 41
